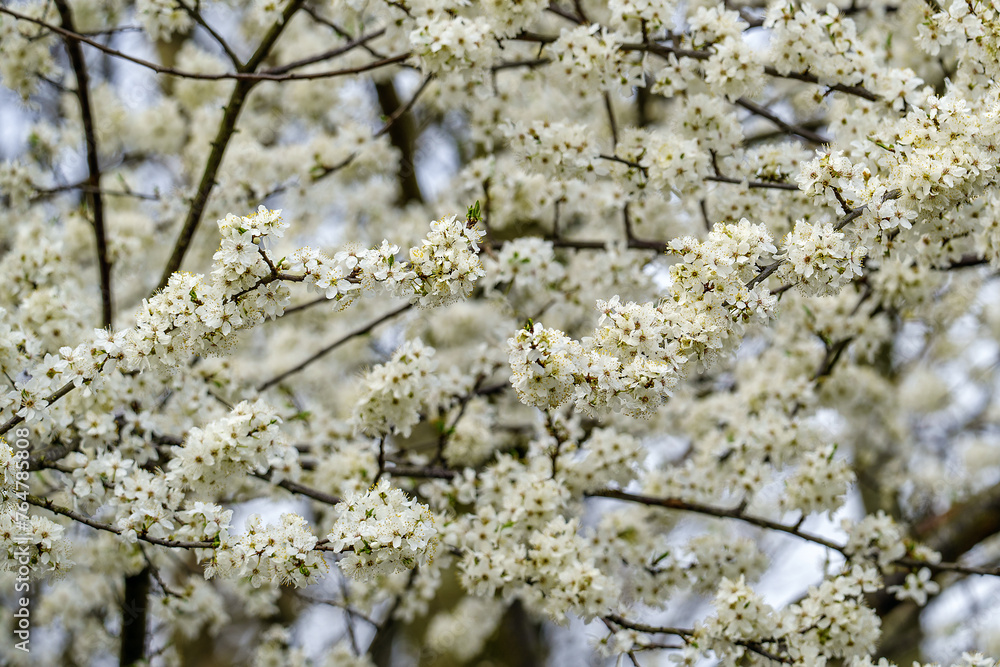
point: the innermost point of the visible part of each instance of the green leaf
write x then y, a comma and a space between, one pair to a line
474, 214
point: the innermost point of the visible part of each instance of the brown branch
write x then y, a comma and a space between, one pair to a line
47, 504
302, 489
945, 566
964, 526
135, 604
79, 66
403, 135
717, 178
773, 185
429, 472
327, 55
612, 122
755, 646
248, 76
719, 512
857, 91
200, 20
332, 346
789, 128
225, 132
88, 189
514, 64
587, 244
403, 109
304, 306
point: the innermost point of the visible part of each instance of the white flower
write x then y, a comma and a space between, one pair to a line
384, 531
916, 587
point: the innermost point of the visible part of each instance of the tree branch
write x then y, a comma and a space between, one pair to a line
225, 132
263, 386
789, 128
93, 166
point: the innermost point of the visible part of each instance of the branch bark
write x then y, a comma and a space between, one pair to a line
226, 129
79, 65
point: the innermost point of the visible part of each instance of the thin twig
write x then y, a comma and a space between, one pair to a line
332, 346
200, 20
225, 132
249, 75
403, 109
45, 503
719, 512
79, 66
790, 128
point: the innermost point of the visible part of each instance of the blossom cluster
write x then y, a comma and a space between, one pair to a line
446, 263
819, 484
590, 57
832, 615
972, 24
217, 456
37, 543
820, 260
665, 162
607, 456
396, 392
280, 553
384, 532
639, 352
443, 268
527, 549
26, 56
558, 150
454, 44
9, 467
656, 14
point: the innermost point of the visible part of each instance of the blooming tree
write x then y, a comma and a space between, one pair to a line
652, 331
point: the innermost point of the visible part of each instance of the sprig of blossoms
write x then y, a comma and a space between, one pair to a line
446, 263
639, 352
195, 315
741, 615
442, 269
384, 531
217, 457
454, 44
591, 57
917, 587
277, 554
821, 260
558, 150
192, 315
395, 392
37, 543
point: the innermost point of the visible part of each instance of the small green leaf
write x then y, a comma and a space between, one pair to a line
474, 214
